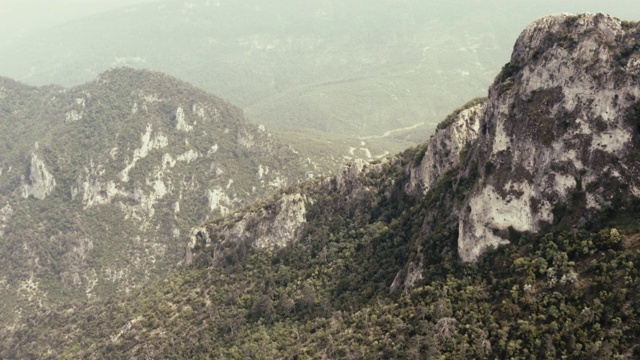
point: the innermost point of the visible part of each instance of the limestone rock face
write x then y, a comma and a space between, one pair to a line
39, 182
443, 149
287, 225
347, 176
5, 215
268, 228
562, 117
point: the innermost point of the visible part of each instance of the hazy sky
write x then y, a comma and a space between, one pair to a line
20, 17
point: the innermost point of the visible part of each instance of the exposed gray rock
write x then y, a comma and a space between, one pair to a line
181, 124
5, 214
557, 121
39, 182
267, 228
444, 147
408, 276
287, 225
349, 173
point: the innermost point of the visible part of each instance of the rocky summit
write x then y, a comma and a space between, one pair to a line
561, 119
511, 233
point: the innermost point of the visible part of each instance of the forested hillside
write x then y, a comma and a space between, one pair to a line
101, 183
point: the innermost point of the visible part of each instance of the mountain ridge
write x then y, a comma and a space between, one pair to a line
111, 174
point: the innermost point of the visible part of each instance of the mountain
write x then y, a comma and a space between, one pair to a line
511, 233
101, 183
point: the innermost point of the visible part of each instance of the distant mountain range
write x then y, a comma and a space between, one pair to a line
381, 72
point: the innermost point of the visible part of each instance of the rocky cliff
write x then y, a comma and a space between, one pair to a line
442, 153
561, 122
559, 129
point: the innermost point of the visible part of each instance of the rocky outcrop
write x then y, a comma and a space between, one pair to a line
347, 176
442, 152
5, 214
181, 124
285, 227
408, 276
561, 122
148, 144
562, 118
38, 182
267, 228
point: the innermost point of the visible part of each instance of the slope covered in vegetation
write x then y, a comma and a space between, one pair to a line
100, 183
334, 294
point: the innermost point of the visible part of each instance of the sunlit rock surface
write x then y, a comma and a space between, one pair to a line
558, 119
39, 182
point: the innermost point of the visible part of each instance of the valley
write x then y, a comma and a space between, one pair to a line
338, 68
